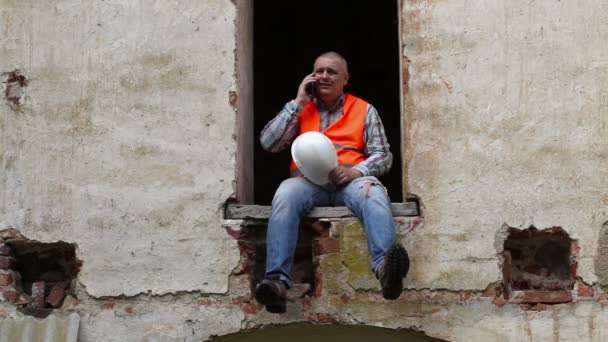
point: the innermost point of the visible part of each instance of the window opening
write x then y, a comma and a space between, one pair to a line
287, 39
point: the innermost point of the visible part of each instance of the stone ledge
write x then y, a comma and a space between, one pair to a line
260, 212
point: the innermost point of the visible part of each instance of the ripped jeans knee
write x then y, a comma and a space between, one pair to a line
369, 186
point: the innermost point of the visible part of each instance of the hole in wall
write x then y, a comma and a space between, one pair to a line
14, 87
37, 276
538, 259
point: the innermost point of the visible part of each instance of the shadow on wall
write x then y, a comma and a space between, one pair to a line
601, 259
326, 333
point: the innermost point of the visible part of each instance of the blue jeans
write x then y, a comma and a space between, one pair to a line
295, 197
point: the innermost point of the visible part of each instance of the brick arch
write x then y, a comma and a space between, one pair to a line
298, 332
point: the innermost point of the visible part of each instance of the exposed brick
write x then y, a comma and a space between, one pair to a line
306, 304
70, 303
9, 295
10, 234
234, 233
205, 301
37, 312
336, 319
247, 248
6, 279
320, 229
318, 284
7, 263
24, 299
326, 246
574, 269
322, 318
574, 248
300, 276
55, 297
249, 308
129, 309
585, 290
547, 297
537, 307
491, 291
5, 249
499, 302
344, 298
506, 273
464, 296
107, 306
37, 295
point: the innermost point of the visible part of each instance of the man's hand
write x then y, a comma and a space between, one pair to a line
303, 98
342, 174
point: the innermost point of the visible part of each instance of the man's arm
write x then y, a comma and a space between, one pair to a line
280, 132
378, 157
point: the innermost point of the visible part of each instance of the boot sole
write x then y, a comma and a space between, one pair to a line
397, 265
266, 295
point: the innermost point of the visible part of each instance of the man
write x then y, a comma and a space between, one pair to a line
354, 127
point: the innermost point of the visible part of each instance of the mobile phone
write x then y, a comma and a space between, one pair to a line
311, 88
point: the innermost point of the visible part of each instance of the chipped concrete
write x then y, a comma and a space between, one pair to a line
125, 144
508, 124
601, 258
14, 87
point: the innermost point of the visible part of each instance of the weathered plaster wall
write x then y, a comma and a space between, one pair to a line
124, 144
507, 115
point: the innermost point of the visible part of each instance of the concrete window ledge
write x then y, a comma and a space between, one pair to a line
260, 212
331, 247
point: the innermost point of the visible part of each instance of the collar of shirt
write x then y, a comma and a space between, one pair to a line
321, 106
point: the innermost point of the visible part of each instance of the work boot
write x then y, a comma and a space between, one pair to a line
393, 269
272, 293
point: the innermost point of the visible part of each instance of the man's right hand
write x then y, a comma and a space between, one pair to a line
303, 98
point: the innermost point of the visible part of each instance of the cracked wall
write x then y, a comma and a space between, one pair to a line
125, 146
507, 117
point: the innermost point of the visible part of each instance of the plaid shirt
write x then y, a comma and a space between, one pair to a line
281, 131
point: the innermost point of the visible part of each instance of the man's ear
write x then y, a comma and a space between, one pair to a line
346, 77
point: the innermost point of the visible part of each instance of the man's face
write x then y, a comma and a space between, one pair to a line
331, 76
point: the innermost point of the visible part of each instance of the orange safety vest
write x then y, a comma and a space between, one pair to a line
347, 132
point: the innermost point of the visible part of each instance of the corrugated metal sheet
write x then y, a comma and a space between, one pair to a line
30, 329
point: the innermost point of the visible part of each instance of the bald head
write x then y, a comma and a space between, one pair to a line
337, 56
331, 75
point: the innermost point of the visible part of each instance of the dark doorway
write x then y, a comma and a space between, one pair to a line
289, 35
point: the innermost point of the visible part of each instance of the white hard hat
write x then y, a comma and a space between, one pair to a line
315, 156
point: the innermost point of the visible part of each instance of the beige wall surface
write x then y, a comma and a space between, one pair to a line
507, 113
124, 144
